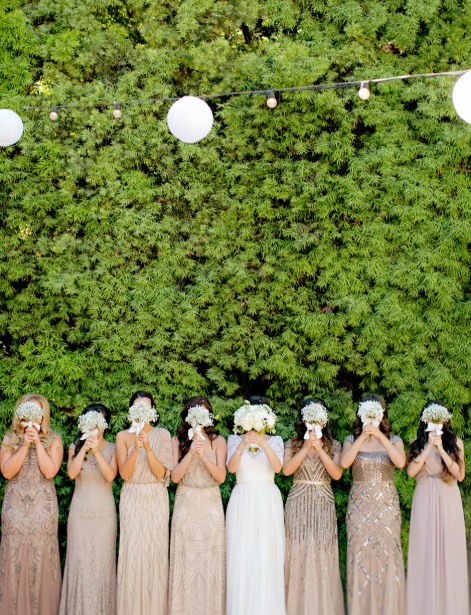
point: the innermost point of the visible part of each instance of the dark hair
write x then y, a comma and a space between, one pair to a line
449, 440
92, 408
184, 442
258, 400
140, 395
384, 426
300, 427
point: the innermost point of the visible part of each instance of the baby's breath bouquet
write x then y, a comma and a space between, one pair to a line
30, 414
371, 413
259, 417
315, 418
435, 416
91, 423
139, 414
198, 417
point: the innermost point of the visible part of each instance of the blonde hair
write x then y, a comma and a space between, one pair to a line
16, 433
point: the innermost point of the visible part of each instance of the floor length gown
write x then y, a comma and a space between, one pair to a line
375, 566
89, 584
437, 568
143, 541
312, 572
30, 574
197, 582
255, 535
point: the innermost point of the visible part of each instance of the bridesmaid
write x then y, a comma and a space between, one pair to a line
254, 525
30, 457
144, 463
312, 573
197, 546
89, 584
437, 579
375, 566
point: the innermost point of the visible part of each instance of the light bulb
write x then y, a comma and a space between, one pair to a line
54, 115
271, 100
364, 91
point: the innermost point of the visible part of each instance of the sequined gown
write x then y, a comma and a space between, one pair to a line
197, 581
30, 574
89, 584
375, 566
312, 574
437, 575
143, 541
255, 535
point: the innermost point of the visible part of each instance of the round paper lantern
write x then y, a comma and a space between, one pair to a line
462, 97
190, 119
11, 127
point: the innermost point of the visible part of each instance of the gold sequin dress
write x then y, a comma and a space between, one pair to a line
312, 574
143, 539
375, 566
197, 580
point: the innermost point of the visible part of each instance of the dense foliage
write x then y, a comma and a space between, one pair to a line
319, 248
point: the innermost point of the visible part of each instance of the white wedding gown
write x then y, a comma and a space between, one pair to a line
255, 536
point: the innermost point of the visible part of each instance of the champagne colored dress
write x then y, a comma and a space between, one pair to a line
437, 567
30, 574
197, 546
143, 541
375, 566
312, 573
89, 584
255, 535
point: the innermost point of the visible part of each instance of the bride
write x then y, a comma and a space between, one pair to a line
254, 525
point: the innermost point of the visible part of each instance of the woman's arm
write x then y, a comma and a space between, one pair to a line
179, 467
109, 470
218, 469
332, 465
292, 462
350, 450
416, 464
49, 462
395, 450
234, 460
255, 438
156, 467
126, 464
74, 464
456, 470
10, 462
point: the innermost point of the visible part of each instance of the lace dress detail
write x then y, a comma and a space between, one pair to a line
197, 548
375, 566
437, 570
312, 573
30, 575
89, 584
143, 542
255, 536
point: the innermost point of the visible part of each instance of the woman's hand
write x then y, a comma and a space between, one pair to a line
92, 443
142, 440
197, 447
371, 431
437, 441
32, 435
253, 437
317, 443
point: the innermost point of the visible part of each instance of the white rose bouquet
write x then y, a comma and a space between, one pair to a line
371, 413
315, 418
139, 414
435, 416
30, 414
259, 417
198, 417
91, 423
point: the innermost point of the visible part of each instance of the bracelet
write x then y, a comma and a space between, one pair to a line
237, 451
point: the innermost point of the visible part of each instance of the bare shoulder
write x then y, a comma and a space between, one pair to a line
220, 441
122, 437
460, 444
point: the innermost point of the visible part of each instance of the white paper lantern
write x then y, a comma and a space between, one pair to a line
462, 97
190, 119
11, 127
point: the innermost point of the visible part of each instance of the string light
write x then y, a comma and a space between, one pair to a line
54, 114
271, 100
117, 113
364, 92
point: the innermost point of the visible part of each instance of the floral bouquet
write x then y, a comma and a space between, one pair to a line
29, 414
91, 423
139, 414
198, 417
315, 418
259, 417
370, 413
435, 416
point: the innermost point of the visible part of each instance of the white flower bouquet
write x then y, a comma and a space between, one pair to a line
259, 417
139, 414
29, 414
371, 413
91, 423
435, 416
198, 417
315, 418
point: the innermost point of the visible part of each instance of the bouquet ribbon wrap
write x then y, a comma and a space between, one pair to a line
313, 427
436, 427
31, 424
136, 427
88, 434
196, 430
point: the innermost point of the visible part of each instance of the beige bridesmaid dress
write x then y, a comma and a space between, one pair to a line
197, 545
143, 542
89, 584
437, 567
